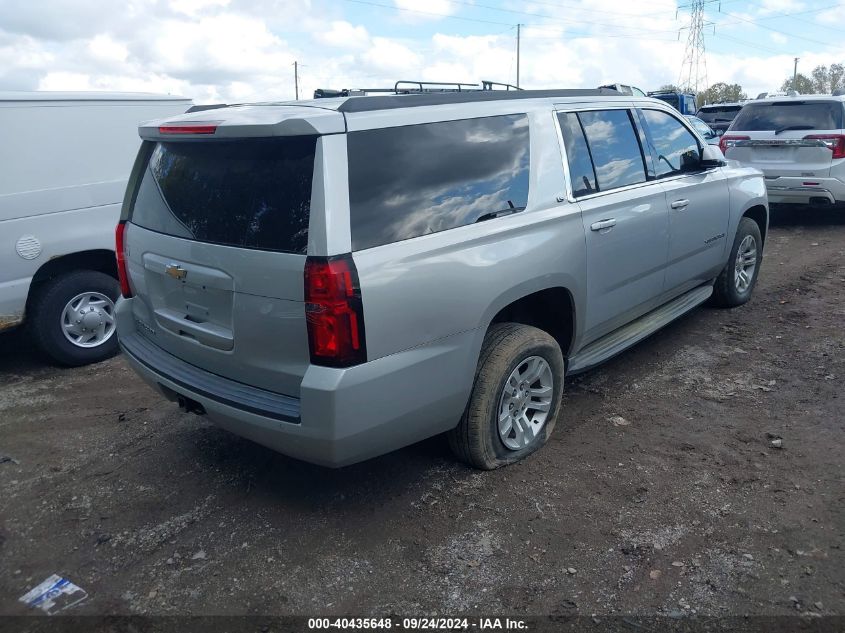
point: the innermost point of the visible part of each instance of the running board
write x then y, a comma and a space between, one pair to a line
621, 339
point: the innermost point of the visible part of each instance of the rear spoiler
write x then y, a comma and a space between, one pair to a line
203, 108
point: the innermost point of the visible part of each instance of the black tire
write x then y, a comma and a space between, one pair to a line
726, 294
45, 317
476, 440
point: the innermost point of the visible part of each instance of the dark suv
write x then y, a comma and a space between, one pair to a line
719, 115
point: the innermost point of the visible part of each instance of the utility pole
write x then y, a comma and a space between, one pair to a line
795, 75
296, 78
518, 27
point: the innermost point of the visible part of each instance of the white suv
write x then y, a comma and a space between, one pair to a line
798, 142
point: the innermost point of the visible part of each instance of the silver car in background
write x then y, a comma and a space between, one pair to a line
339, 278
798, 142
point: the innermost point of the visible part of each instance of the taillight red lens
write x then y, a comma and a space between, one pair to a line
834, 142
729, 140
120, 252
196, 128
334, 312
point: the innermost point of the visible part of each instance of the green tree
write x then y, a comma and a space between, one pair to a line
822, 80
826, 80
670, 88
801, 84
721, 91
836, 77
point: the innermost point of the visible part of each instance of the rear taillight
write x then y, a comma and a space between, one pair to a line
834, 142
729, 140
189, 128
334, 312
120, 251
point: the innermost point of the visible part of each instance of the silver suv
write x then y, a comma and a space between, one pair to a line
798, 142
339, 278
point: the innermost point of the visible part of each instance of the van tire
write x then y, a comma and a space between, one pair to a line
45, 317
726, 294
477, 440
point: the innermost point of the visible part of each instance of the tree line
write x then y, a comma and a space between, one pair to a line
717, 93
821, 80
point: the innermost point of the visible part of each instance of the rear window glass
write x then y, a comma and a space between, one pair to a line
253, 193
409, 181
780, 115
718, 115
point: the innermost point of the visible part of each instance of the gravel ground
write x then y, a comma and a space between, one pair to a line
661, 491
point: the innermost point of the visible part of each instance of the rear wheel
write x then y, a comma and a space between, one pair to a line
736, 282
72, 317
515, 399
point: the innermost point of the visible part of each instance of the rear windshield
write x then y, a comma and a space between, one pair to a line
671, 99
252, 193
724, 114
783, 115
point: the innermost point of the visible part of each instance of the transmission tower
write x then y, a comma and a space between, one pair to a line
694, 69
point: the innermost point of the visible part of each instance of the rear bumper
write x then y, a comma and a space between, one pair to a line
343, 416
793, 190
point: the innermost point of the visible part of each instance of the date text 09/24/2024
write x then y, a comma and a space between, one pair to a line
414, 624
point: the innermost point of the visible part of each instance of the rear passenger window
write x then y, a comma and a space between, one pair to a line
419, 179
676, 149
581, 170
614, 147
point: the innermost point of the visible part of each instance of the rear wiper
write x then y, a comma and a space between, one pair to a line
793, 127
501, 212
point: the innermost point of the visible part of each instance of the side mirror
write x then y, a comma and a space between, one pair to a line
711, 156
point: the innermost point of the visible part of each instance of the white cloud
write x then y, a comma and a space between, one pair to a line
389, 55
243, 50
194, 7
105, 48
342, 34
425, 9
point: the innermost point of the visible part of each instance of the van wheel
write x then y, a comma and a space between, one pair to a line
72, 318
515, 399
736, 282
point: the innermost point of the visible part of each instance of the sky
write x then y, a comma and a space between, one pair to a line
237, 51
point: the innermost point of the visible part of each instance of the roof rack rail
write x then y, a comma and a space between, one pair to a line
406, 86
426, 86
488, 85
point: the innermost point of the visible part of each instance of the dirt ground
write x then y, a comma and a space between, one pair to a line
659, 493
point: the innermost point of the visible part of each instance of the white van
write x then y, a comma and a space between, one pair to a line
66, 157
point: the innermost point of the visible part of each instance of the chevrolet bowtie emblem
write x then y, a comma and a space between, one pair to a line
176, 271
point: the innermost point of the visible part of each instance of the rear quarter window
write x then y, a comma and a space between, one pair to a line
413, 180
249, 193
779, 115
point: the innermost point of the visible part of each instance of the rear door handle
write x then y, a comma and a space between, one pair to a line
603, 224
680, 204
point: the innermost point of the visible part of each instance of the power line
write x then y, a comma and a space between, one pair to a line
743, 43
769, 28
440, 15
552, 17
571, 7
632, 30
